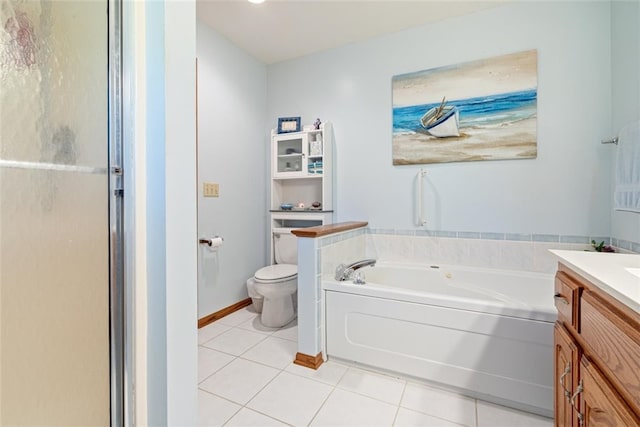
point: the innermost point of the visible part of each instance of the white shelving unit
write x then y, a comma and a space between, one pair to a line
302, 172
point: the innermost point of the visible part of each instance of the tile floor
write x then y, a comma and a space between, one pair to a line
246, 378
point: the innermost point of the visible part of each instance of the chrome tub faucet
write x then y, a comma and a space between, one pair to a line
345, 272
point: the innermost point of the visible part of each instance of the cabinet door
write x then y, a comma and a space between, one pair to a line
614, 342
290, 153
601, 404
566, 373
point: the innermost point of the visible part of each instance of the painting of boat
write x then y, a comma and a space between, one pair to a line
485, 109
442, 121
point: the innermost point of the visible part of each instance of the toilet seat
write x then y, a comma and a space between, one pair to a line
276, 273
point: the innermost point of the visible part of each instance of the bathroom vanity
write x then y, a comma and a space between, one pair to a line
597, 339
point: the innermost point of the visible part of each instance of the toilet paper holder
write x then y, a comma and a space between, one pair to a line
209, 242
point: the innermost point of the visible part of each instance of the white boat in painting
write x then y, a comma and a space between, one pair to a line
442, 121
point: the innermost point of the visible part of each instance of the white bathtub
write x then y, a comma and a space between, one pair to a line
486, 333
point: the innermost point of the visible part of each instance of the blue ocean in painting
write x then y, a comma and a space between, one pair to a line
483, 111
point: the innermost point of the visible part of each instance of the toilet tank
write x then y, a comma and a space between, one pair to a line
285, 246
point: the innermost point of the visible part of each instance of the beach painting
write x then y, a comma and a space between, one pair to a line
480, 110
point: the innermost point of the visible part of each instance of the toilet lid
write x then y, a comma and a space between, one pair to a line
277, 272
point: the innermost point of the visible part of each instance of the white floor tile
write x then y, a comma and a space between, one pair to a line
241, 361
291, 399
213, 410
409, 418
212, 330
255, 325
344, 408
238, 317
288, 332
275, 352
328, 373
249, 418
490, 415
374, 385
209, 361
235, 341
439, 403
239, 381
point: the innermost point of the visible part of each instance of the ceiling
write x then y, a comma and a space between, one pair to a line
278, 30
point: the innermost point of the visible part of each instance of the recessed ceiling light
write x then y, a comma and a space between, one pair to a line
256, 1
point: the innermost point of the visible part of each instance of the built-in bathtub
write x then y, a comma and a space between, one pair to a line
486, 333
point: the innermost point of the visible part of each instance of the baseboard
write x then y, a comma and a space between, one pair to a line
222, 313
307, 361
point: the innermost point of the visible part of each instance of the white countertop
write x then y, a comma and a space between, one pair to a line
616, 274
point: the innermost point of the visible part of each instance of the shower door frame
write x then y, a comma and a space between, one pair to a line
118, 354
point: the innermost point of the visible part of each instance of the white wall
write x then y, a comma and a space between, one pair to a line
160, 201
180, 206
566, 190
233, 144
154, 183
625, 68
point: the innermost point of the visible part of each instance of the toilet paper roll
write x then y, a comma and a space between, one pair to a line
214, 243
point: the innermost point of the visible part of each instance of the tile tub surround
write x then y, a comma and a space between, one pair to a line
522, 255
512, 251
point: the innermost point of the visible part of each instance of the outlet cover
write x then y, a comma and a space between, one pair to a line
211, 189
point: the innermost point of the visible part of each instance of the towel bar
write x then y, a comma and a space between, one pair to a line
610, 141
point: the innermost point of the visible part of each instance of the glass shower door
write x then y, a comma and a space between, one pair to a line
54, 213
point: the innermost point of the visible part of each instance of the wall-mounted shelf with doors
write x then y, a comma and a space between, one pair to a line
302, 172
302, 154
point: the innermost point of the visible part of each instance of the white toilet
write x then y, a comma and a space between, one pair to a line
277, 284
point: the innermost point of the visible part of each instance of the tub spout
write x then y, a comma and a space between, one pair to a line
344, 272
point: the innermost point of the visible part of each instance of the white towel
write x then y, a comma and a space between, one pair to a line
626, 196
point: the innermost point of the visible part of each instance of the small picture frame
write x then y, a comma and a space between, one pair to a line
288, 124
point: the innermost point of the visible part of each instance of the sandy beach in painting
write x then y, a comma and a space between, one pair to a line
507, 141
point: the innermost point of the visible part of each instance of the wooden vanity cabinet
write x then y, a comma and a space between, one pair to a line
600, 404
566, 374
597, 356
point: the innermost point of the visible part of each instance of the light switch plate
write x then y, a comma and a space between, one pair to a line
211, 189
